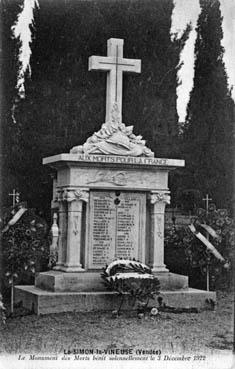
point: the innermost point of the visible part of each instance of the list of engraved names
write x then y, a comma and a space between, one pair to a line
115, 226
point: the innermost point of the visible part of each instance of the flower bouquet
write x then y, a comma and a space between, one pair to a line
131, 277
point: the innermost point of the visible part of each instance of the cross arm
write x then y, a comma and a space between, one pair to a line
101, 63
131, 65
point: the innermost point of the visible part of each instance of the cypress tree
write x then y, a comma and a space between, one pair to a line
65, 103
208, 132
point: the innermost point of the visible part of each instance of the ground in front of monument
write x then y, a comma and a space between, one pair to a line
209, 332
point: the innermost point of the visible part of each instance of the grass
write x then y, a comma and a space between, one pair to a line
206, 332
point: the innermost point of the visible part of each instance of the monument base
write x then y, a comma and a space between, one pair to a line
57, 281
46, 302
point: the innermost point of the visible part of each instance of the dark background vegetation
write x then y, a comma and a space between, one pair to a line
65, 103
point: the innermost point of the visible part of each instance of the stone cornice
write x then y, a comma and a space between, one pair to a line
65, 160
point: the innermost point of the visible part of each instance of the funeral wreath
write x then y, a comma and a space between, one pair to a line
131, 277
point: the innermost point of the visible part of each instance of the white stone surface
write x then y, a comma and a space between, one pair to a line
47, 302
68, 159
114, 138
82, 184
158, 200
114, 64
70, 224
116, 227
114, 178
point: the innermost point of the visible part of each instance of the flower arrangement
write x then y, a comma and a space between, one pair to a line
218, 228
25, 245
131, 277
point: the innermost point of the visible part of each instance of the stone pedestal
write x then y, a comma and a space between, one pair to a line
57, 281
108, 207
46, 302
104, 205
110, 194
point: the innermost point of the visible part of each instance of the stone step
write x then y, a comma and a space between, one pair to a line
57, 281
46, 302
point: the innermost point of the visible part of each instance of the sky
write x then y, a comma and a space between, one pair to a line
187, 11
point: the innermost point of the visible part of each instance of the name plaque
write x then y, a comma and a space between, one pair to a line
117, 226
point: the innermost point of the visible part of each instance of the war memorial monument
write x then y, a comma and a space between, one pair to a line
110, 194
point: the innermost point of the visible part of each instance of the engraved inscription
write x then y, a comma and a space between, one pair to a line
127, 234
115, 226
128, 160
103, 232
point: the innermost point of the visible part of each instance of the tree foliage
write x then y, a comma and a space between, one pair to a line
25, 246
208, 133
195, 257
65, 103
2, 312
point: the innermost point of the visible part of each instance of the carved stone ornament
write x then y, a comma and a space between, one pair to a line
72, 194
119, 178
114, 138
160, 196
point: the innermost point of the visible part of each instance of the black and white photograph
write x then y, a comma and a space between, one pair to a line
117, 184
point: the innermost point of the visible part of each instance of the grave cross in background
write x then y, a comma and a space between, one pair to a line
15, 197
115, 65
207, 199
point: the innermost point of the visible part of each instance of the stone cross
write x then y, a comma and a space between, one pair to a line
207, 199
115, 65
15, 197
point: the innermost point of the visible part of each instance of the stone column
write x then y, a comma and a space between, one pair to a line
74, 198
62, 212
158, 200
54, 202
